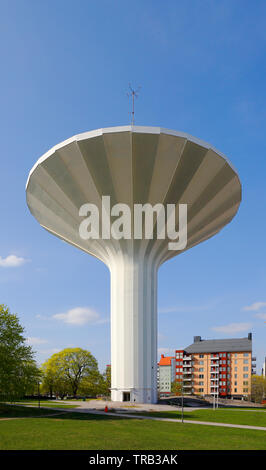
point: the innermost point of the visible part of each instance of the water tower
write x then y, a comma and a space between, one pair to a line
133, 165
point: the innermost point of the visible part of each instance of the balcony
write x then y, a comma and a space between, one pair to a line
254, 359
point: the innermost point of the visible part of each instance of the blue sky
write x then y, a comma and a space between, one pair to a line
65, 69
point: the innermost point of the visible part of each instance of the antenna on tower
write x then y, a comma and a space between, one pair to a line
133, 94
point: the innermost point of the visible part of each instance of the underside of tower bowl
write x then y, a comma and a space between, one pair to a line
133, 165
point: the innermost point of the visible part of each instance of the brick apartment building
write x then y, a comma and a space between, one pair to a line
216, 367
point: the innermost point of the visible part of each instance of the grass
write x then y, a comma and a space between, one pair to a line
94, 432
229, 415
14, 411
48, 404
76, 431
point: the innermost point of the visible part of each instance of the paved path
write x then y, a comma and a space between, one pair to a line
174, 420
171, 420
82, 409
100, 405
117, 405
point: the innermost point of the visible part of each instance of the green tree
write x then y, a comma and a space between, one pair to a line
176, 387
18, 370
54, 382
107, 380
92, 385
258, 388
70, 370
97, 384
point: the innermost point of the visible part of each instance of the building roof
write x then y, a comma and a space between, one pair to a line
219, 345
165, 361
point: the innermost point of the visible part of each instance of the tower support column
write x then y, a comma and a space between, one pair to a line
133, 330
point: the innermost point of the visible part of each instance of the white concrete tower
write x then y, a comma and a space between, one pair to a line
133, 165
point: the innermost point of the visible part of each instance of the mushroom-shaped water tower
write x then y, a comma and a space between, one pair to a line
132, 166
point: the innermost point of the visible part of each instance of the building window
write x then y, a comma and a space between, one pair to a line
235, 361
235, 390
245, 361
245, 390
245, 369
201, 369
201, 355
246, 354
245, 376
201, 363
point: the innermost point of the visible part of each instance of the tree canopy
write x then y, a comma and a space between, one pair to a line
18, 370
71, 371
258, 388
177, 387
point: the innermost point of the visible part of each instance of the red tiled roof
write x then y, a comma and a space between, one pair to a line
165, 361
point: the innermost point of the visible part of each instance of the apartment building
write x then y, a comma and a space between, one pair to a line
166, 374
216, 367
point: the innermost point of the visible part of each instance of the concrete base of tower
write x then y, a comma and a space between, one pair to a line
134, 395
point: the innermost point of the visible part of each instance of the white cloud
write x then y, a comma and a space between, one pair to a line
261, 315
79, 316
12, 261
255, 306
33, 340
232, 328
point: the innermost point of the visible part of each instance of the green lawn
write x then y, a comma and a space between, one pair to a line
48, 404
14, 411
230, 416
76, 431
